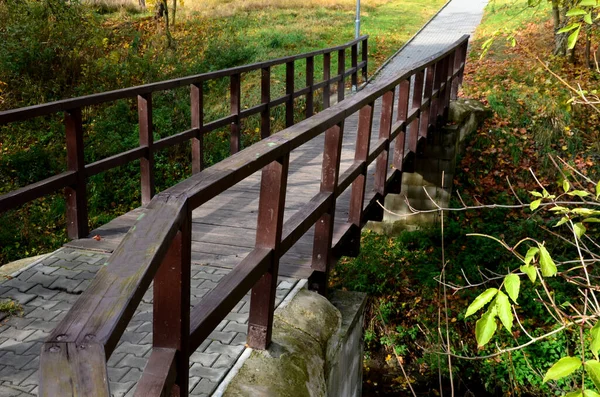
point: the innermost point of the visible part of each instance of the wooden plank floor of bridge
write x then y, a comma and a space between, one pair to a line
224, 228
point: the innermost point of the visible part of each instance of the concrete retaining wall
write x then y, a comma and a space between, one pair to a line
316, 350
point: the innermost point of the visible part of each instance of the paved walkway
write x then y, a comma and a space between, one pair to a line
48, 289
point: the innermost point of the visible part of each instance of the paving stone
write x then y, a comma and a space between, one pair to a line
21, 286
89, 268
66, 297
18, 335
145, 327
239, 340
38, 336
65, 284
45, 269
8, 391
34, 348
115, 358
212, 374
115, 374
218, 347
16, 360
133, 337
223, 337
42, 292
32, 380
43, 302
194, 380
44, 314
224, 361
136, 349
92, 259
16, 347
240, 318
133, 375
286, 285
205, 386
66, 253
205, 359
232, 326
14, 376
119, 389
43, 279
19, 322
132, 361
215, 278
67, 264
67, 273
82, 287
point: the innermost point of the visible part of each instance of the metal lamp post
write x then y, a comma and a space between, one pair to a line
357, 22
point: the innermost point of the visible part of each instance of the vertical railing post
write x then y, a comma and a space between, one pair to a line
310, 81
436, 87
413, 130
147, 140
365, 58
235, 105
448, 84
265, 99
442, 93
322, 257
355, 66
385, 129
271, 207
171, 304
197, 110
327, 77
341, 72
400, 144
75, 195
289, 91
426, 114
357, 196
455, 68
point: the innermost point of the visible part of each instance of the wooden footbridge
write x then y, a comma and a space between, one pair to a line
291, 204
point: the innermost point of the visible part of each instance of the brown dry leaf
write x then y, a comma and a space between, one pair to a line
97, 237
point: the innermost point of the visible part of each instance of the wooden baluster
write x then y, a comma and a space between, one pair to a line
265, 99
75, 196
357, 197
355, 66
365, 56
455, 68
147, 140
289, 91
385, 129
448, 81
402, 114
271, 207
435, 103
426, 113
341, 71
235, 106
321, 258
310, 81
171, 305
442, 94
197, 105
413, 129
327, 77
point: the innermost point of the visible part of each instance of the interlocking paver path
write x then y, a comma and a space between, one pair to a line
49, 288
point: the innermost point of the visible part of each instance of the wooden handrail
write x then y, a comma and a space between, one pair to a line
77, 219
158, 246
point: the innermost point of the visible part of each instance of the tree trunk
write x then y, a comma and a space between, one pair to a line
588, 49
174, 12
142, 4
168, 31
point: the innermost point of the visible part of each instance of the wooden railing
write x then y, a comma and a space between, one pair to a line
73, 180
158, 247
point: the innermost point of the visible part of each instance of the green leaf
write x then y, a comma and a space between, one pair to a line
572, 40
579, 229
530, 255
595, 344
530, 272
562, 221
573, 12
575, 393
566, 185
584, 211
563, 367
512, 284
579, 193
504, 310
590, 393
558, 208
592, 367
546, 263
534, 204
485, 328
536, 194
591, 220
597, 189
588, 3
481, 301
588, 18
568, 29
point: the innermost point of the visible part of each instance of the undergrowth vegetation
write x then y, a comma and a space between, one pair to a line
53, 49
534, 117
